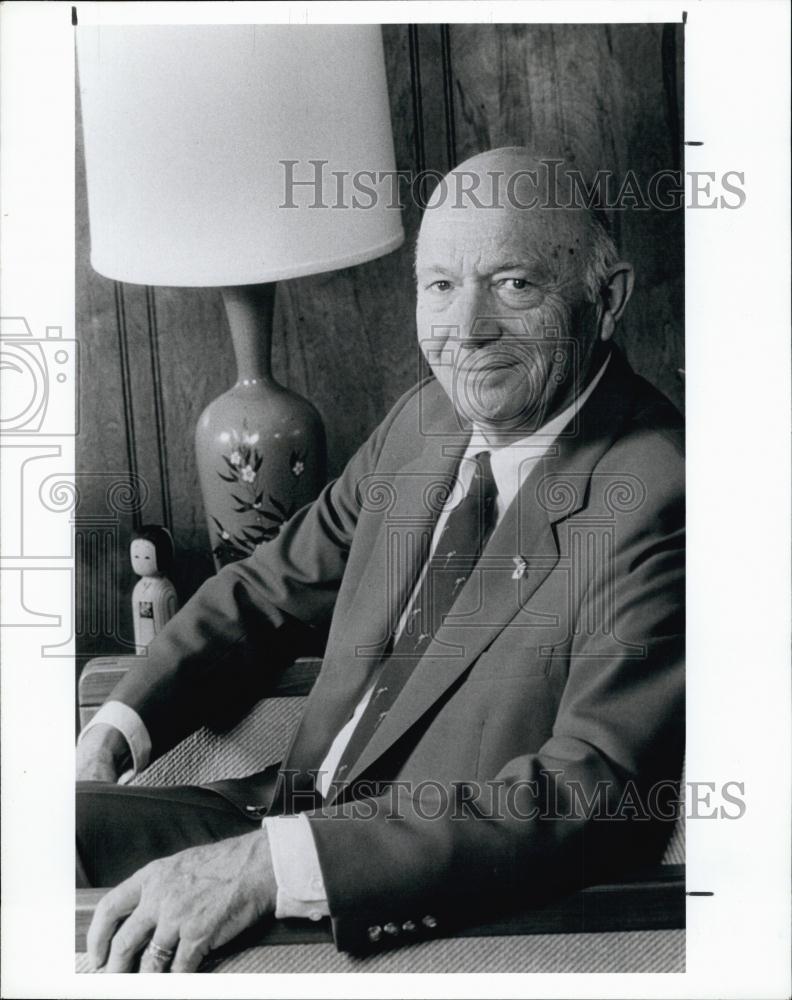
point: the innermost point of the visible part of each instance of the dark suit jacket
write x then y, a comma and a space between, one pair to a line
556, 681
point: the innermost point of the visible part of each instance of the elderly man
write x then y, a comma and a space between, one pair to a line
501, 566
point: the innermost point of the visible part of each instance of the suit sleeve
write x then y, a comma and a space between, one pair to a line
550, 820
250, 618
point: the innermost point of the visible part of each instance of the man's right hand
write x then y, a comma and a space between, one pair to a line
102, 754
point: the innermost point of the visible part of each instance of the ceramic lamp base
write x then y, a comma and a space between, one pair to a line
260, 448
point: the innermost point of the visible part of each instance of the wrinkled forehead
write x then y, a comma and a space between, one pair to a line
456, 230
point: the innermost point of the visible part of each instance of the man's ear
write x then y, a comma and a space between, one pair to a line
615, 293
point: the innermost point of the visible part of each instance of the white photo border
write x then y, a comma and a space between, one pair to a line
738, 410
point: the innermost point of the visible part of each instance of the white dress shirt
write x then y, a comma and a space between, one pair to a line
301, 891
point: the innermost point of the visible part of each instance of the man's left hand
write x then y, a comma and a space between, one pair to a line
186, 904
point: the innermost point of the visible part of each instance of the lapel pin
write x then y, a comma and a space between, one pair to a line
520, 567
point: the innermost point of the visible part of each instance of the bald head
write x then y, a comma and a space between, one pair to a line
512, 191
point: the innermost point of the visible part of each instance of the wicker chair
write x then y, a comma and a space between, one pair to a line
636, 925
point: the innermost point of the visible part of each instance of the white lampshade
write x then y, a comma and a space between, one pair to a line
186, 130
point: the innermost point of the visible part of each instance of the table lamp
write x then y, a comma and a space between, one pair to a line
236, 156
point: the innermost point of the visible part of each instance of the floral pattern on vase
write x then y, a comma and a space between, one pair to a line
267, 513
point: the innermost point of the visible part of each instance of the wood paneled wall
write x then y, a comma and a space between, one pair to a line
599, 96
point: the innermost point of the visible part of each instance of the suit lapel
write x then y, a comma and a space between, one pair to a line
417, 493
411, 499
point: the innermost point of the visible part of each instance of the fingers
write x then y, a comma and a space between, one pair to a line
112, 908
128, 941
185, 903
158, 955
97, 772
189, 955
98, 753
93, 767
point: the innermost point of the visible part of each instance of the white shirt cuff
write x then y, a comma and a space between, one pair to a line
132, 728
301, 890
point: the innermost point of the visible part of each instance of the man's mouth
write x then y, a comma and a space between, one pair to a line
493, 366
485, 363
487, 368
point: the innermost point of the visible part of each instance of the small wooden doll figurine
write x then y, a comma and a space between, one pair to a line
154, 599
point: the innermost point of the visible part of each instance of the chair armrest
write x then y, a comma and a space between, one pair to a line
650, 899
102, 673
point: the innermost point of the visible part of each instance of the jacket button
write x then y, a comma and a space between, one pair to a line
374, 933
392, 929
256, 810
409, 926
429, 922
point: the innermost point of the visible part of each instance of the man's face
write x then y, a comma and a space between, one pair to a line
502, 314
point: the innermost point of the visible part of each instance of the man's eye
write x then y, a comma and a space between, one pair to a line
514, 284
441, 286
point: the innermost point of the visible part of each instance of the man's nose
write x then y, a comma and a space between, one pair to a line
478, 323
